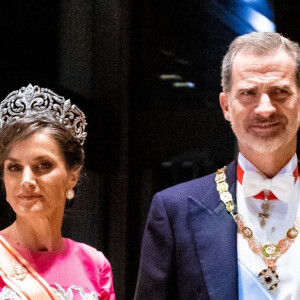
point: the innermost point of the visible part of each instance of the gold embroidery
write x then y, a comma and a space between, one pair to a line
17, 271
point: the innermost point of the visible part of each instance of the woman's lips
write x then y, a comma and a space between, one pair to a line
28, 197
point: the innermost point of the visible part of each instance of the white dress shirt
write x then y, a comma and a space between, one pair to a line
282, 215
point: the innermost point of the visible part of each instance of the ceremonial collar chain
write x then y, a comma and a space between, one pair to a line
268, 252
43, 104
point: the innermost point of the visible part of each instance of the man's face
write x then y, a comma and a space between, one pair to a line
263, 103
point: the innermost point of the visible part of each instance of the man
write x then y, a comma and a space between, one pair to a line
192, 247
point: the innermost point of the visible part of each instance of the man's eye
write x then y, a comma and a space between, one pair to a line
280, 92
248, 93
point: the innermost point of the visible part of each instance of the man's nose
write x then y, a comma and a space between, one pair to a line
265, 106
28, 178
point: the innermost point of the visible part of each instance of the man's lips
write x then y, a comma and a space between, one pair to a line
266, 129
265, 125
261, 123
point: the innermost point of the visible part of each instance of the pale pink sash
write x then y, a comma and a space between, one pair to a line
17, 273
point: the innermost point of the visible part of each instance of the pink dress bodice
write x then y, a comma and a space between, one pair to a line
77, 271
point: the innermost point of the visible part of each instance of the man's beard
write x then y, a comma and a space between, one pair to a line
268, 141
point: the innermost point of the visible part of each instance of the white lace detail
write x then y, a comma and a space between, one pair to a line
8, 294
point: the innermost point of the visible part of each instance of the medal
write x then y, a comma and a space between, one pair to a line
269, 252
269, 279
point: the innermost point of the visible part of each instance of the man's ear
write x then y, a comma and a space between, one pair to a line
299, 107
223, 98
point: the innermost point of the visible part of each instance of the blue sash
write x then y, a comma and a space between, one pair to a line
249, 286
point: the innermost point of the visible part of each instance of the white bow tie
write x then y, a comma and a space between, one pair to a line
281, 185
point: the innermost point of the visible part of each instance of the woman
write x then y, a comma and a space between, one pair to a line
41, 155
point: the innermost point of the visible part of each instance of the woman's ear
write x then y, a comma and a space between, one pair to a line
73, 177
223, 98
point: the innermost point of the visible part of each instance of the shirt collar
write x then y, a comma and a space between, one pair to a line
289, 168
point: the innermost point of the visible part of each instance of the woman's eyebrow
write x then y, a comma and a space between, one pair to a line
12, 159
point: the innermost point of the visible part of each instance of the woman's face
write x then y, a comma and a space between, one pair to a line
36, 178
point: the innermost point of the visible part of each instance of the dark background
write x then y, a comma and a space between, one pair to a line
143, 134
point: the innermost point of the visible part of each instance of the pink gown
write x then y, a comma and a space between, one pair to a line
75, 272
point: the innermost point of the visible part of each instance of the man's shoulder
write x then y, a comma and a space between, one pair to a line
196, 188
190, 185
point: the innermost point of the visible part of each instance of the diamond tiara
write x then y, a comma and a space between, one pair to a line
43, 104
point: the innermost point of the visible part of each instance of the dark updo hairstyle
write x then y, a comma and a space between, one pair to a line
71, 149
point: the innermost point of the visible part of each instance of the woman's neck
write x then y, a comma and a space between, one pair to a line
36, 236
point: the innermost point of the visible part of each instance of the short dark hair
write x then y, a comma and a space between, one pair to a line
71, 149
258, 43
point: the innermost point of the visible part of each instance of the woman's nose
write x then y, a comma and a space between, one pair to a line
28, 178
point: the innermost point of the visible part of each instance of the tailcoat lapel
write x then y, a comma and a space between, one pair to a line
215, 234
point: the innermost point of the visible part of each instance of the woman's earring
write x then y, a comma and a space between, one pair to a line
70, 194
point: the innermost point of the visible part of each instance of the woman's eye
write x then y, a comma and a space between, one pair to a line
14, 167
44, 166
